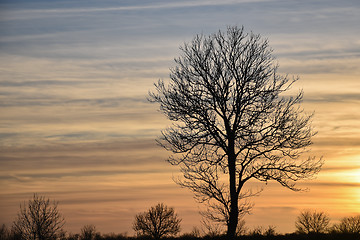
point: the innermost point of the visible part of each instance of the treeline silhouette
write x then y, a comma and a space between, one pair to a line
6, 234
39, 219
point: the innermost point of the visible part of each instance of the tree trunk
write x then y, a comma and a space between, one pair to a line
233, 221
234, 214
234, 208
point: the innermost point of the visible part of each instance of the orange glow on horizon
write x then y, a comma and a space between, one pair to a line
76, 126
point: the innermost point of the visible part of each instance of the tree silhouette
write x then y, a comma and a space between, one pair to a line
312, 222
38, 219
349, 225
158, 222
233, 121
88, 232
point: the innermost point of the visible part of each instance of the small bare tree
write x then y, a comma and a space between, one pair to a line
349, 225
312, 222
157, 222
39, 219
233, 121
88, 232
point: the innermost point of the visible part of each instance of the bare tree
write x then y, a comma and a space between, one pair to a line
88, 232
233, 121
39, 219
158, 222
349, 225
312, 222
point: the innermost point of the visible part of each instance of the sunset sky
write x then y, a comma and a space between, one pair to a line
76, 127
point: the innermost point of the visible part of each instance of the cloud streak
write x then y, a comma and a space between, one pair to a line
75, 123
140, 6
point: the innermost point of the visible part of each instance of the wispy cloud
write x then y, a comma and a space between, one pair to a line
331, 98
28, 177
134, 6
75, 123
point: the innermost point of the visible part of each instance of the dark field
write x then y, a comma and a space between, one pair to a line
292, 236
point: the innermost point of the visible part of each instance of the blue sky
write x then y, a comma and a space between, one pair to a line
75, 124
